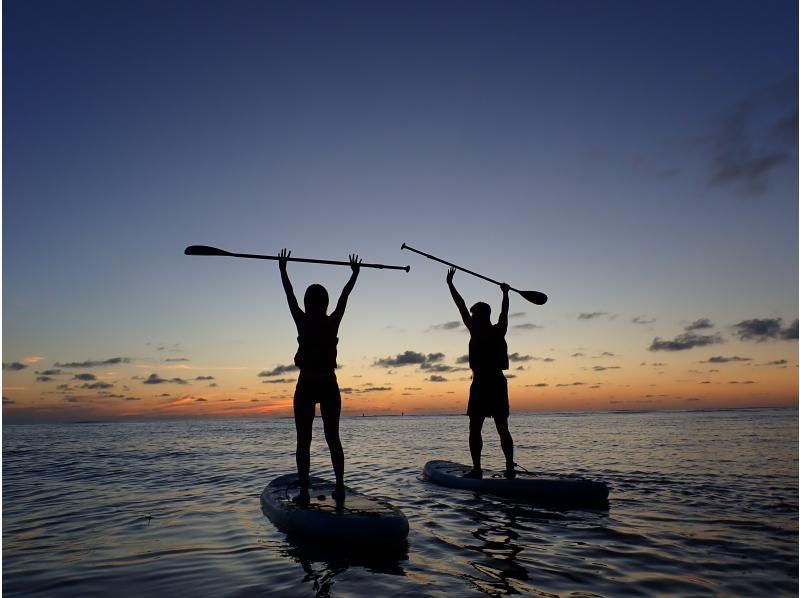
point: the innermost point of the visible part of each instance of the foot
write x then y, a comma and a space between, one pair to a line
338, 491
511, 473
475, 474
302, 497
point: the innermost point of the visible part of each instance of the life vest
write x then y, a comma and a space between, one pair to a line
488, 350
316, 345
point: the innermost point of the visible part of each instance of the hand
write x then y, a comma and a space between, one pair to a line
505, 288
450, 273
283, 258
355, 263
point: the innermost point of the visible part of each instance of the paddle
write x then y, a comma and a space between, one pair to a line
533, 296
206, 250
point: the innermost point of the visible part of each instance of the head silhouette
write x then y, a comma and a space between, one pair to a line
481, 313
316, 300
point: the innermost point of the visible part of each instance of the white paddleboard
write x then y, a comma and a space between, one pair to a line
356, 519
563, 491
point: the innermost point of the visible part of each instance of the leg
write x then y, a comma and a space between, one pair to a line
303, 421
475, 441
506, 442
331, 409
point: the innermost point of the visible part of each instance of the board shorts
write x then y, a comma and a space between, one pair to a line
317, 386
488, 395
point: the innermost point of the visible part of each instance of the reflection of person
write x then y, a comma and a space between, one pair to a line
488, 357
316, 358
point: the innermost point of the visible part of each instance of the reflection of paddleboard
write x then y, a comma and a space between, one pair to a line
358, 519
555, 491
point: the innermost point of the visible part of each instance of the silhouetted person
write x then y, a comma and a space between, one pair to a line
316, 358
488, 357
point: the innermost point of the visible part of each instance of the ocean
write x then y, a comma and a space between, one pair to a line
702, 503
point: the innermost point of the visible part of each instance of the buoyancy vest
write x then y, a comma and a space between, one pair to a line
316, 344
488, 350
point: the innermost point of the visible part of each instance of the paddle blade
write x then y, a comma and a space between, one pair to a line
203, 250
534, 297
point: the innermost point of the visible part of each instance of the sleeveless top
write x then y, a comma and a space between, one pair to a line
488, 350
316, 345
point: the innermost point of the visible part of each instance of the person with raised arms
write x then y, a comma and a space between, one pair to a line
316, 358
488, 394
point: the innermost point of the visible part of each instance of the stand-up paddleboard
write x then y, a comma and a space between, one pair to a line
553, 491
357, 519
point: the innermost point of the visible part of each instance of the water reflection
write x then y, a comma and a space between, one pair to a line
501, 528
323, 563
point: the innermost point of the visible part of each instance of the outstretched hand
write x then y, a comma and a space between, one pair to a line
505, 288
283, 258
355, 263
450, 273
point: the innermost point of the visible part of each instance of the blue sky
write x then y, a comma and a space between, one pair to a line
636, 159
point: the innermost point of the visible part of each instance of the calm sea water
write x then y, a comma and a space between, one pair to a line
701, 503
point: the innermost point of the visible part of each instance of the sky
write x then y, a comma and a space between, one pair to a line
636, 161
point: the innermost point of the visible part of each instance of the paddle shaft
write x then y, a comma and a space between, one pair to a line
436, 259
223, 253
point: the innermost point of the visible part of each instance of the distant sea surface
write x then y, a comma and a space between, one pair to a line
702, 503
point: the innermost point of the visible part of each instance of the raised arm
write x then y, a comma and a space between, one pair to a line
297, 313
338, 313
502, 321
459, 300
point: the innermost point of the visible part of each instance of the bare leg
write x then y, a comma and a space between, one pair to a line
475, 441
506, 442
303, 421
330, 411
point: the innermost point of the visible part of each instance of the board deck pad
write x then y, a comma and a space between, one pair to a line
356, 519
551, 490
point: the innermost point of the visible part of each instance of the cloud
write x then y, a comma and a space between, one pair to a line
280, 381
517, 357
592, 315
169, 359
701, 324
516, 314
573, 384
156, 379
577, 355
50, 373
31, 359
92, 364
643, 320
377, 389
538, 385
132, 399
205, 378
753, 140
526, 326
409, 358
97, 385
278, 370
452, 325
764, 329
438, 367
778, 362
602, 368
721, 359
462, 359
14, 366
606, 354
84, 377
436, 378
684, 342
44, 379
7, 401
